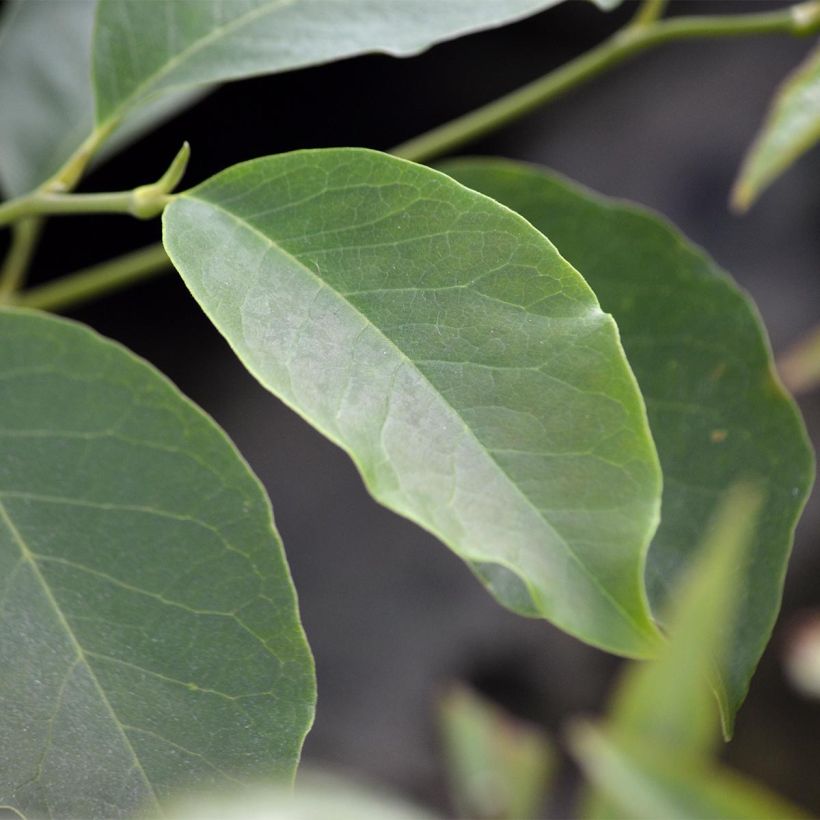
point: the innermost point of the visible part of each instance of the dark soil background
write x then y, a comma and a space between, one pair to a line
393, 616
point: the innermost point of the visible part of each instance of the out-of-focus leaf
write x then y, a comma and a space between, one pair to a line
464, 365
646, 783
317, 796
144, 49
149, 635
498, 767
668, 704
791, 128
668, 701
717, 411
46, 99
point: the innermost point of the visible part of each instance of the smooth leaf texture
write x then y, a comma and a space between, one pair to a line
668, 701
45, 91
667, 705
791, 128
463, 364
717, 412
318, 796
149, 635
142, 50
498, 767
645, 783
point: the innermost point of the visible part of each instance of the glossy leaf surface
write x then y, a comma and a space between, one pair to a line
791, 128
145, 49
449, 349
149, 635
717, 412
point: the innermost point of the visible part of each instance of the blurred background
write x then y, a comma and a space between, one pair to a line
392, 616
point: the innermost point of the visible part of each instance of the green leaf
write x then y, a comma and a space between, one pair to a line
149, 635
667, 705
318, 796
643, 782
668, 701
717, 411
791, 128
498, 767
44, 88
462, 363
45, 91
144, 49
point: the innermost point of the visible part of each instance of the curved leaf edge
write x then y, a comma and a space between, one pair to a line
112, 117
753, 178
155, 373
651, 634
728, 708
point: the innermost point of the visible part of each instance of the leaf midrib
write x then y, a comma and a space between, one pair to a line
215, 34
628, 618
27, 555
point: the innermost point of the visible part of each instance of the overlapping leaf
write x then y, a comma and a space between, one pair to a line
145, 49
45, 91
150, 59
791, 128
653, 757
149, 637
463, 364
717, 412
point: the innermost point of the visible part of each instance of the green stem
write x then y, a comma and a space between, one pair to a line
88, 284
42, 204
797, 20
643, 33
26, 234
648, 12
23, 242
144, 202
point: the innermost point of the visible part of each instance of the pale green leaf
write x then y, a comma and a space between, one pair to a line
462, 363
669, 701
143, 49
149, 635
717, 411
791, 128
647, 783
318, 796
498, 767
45, 91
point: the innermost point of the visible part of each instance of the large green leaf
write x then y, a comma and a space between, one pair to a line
45, 91
717, 411
463, 364
791, 128
149, 636
144, 49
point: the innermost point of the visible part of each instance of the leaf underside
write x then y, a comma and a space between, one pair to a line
45, 91
144, 49
717, 412
460, 361
149, 636
153, 59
